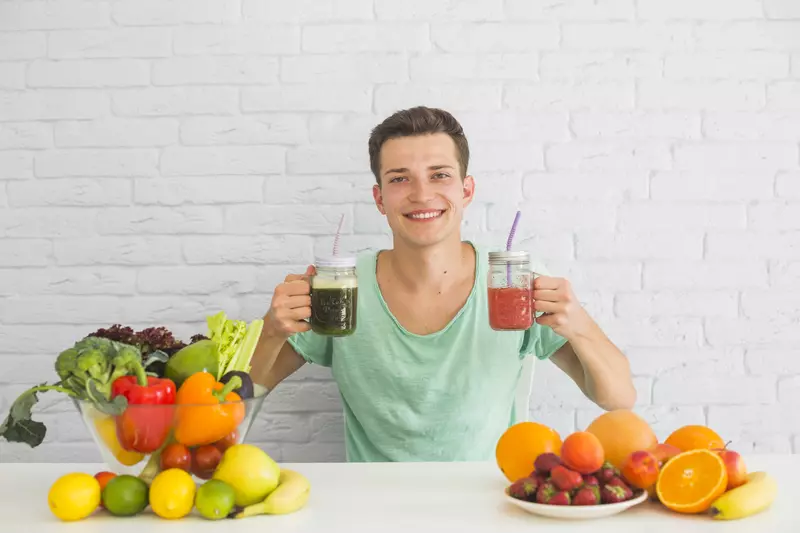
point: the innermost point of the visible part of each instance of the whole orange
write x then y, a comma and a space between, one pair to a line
520, 445
582, 452
622, 432
695, 437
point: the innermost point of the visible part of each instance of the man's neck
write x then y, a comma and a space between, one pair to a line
431, 269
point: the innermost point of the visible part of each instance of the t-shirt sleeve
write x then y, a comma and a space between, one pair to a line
314, 348
541, 341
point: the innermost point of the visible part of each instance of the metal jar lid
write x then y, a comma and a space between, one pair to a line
514, 258
335, 262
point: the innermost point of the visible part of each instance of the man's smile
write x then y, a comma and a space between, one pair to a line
425, 214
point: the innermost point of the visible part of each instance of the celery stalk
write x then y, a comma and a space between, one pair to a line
244, 352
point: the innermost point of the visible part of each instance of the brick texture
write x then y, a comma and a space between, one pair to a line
161, 160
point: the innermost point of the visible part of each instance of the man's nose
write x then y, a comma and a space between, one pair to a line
421, 190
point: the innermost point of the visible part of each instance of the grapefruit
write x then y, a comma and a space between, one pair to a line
622, 432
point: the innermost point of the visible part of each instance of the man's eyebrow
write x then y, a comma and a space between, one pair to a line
432, 167
396, 170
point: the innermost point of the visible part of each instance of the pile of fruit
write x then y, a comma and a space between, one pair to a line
618, 456
246, 482
573, 478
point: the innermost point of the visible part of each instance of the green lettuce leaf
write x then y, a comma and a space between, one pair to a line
227, 334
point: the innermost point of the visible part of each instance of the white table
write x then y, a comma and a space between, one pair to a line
418, 498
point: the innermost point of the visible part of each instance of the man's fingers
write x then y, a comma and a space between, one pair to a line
555, 320
546, 282
300, 313
294, 288
547, 307
297, 302
547, 295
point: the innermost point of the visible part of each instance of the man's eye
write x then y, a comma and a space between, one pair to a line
393, 180
441, 175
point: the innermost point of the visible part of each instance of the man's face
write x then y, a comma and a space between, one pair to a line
422, 193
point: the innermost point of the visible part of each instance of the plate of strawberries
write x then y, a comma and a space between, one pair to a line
554, 489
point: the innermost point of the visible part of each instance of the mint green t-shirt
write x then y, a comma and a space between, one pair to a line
446, 396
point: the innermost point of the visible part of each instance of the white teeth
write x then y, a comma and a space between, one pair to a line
425, 215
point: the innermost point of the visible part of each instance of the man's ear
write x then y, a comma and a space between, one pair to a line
469, 190
376, 194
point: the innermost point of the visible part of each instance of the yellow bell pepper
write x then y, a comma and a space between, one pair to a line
107, 430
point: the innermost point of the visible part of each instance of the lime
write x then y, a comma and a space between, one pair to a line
74, 496
125, 495
172, 493
215, 499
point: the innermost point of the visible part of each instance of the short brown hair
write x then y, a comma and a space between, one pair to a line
417, 121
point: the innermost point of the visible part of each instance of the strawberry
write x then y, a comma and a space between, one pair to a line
607, 472
545, 492
565, 479
541, 479
615, 494
560, 498
590, 480
524, 489
545, 462
588, 495
617, 481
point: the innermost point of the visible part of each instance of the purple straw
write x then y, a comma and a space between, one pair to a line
508, 245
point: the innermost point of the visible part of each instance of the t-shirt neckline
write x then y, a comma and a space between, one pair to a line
470, 298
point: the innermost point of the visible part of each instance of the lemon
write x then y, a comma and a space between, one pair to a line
172, 493
74, 496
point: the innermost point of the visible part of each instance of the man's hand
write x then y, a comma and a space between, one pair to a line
564, 312
291, 305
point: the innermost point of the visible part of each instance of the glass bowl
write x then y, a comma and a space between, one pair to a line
145, 439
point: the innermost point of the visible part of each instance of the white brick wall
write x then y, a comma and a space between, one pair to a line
155, 156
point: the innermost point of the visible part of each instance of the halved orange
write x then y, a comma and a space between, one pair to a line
691, 481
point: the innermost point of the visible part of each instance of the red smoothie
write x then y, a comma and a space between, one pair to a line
510, 308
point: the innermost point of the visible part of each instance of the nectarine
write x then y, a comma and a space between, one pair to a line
640, 469
582, 452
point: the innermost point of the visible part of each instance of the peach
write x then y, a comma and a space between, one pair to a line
664, 452
734, 464
640, 469
582, 452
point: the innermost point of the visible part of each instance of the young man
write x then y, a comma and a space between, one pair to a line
425, 378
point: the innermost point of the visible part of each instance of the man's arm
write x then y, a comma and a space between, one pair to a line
274, 360
593, 362
600, 371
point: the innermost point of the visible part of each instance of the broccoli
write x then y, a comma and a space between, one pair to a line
86, 372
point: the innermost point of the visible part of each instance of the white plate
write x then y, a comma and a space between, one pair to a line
577, 512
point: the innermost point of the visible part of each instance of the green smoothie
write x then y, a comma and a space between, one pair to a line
333, 306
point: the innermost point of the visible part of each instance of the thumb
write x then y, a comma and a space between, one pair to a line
310, 271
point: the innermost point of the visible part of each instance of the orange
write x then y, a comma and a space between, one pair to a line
695, 437
622, 432
691, 481
520, 445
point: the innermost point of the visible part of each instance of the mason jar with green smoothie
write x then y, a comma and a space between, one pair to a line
334, 296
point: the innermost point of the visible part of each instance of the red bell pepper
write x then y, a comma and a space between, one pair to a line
147, 421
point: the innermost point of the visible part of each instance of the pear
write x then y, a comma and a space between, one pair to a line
251, 472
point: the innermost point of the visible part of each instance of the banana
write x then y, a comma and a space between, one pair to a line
756, 495
290, 495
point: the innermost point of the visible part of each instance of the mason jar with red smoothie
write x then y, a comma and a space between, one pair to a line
510, 291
